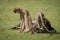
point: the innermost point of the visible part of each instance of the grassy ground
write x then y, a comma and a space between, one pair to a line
50, 8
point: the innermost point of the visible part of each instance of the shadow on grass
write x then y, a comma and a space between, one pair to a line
49, 33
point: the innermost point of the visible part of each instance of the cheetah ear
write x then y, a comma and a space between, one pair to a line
19, 9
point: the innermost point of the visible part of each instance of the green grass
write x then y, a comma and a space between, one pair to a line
50, 8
